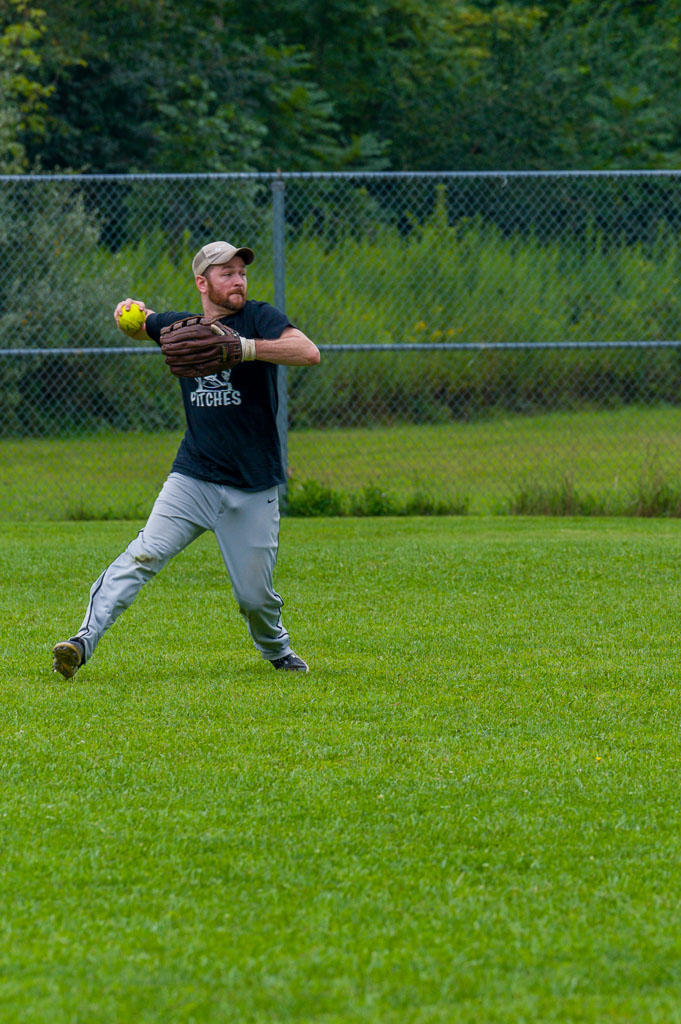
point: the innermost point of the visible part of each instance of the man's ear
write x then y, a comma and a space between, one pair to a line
201, 283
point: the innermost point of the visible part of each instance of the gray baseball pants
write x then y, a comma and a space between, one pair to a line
246, 526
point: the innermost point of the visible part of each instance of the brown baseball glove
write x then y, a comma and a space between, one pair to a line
197, 347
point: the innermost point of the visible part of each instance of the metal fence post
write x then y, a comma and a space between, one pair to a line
278, 243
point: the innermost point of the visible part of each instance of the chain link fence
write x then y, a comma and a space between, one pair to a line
484, 336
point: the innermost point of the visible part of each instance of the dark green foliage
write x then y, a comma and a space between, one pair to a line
173, 87
295, 84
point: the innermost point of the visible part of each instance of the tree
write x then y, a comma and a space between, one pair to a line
135, 85
161, 85
23, 98
403, 70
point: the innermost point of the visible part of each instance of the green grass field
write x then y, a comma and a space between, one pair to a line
477, 465
467, 812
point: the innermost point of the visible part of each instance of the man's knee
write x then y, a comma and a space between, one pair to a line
149, 553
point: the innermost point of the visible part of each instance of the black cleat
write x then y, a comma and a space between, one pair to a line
68, 656
291, 663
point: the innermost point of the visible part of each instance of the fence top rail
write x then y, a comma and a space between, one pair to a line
453, 346
482, 346
377, 175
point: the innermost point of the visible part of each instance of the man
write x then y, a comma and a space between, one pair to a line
226, 473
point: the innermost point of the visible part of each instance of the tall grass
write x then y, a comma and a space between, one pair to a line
468, 282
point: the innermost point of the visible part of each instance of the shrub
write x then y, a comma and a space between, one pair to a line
311, 498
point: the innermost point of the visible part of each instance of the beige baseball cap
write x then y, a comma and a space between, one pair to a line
219, 252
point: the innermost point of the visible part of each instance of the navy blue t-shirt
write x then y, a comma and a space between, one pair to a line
231, 435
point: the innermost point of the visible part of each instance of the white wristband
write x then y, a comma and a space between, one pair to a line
248, 349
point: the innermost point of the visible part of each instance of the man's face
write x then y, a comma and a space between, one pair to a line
226, 284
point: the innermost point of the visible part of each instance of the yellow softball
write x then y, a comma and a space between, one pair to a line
131, 319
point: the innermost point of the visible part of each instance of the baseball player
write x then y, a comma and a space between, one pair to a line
226, 472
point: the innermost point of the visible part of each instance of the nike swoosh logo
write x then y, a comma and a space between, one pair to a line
270, 500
